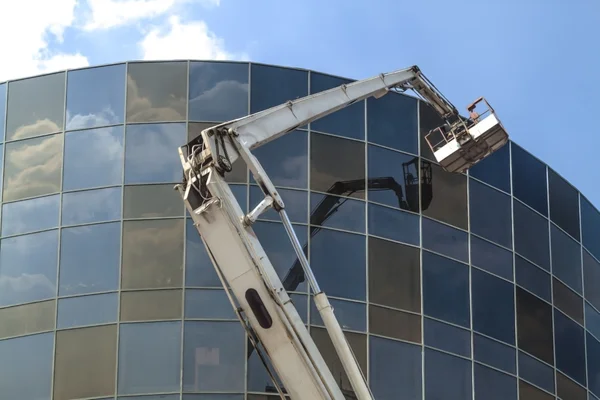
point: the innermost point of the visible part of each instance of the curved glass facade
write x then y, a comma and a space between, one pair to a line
478, 286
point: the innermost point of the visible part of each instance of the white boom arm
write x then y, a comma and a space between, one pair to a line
253, 286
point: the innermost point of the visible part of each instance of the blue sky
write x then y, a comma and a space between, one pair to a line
536, 61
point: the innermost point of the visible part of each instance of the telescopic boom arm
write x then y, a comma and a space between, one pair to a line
254, 288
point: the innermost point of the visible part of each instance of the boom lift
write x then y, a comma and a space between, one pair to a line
252, 285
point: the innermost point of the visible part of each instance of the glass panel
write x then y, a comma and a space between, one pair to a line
394, 179
531, 235
494, 169
218, 91
448, 197
490, 212
494, 385
26, 367
213, 356
296, 204
30, 215
570, 347
428, 119
493, 306
394, 369
491, 258
93, 158
27, 319
566, 259
351, 315
567, 301
272, 86
105, 107
151, 153
81, 354
591, 281
210, 304
28, 268
446, 240
33, 167
533, 278
149, 357
392, 122
566, 389
285, 160
152, 254
2, 109
529, 392
536, 372
394, 324
87, 310
152, 201
199, 270
446, 289
340, 273
156, 91
214, 396
394, 275
564, 204
447, 377
45, 99
97, 205
393, 224
89, 259
534, 326
593, 363
447, 337
494, 353
301, 303
529, 179
349, 121
590, 227
337, 212
150, 305
592, 320
258, 379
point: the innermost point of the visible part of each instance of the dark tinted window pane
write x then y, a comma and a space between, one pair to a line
44, 113
2, 109
536, 372
428, 119
446, 240
151, 201
493, 306
26, 367
152, 254
566, 259
446, 289
218, 91
105, 107
448, 197
272, 86
218, 397
533, 278
210, 304
340, 272
393, 224
87, 310
529, 179
564, 204
199, 270
395, 324
151, 153
566, 389
30, 215
81, 354
285, 160
592, 320
392, 122
156, 91
531, 235
94, 158
447, 377
395, 369
349, 121
570, 347
530, 392
534, 326
493, 385
148, 305
490, 212
91, 206
494, 169
348, 165
494, 353
590, 227
394, 275
593, 363
567, 301
28, 268
394, 178
296, 204
447, 337
33, 167
89, 259
337, 212
27, 319
213, 356
591, 274
492, 258
350, 314
149, 357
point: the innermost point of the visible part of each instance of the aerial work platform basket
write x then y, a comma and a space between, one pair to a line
459, 146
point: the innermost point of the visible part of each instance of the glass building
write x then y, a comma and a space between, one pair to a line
449, 286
